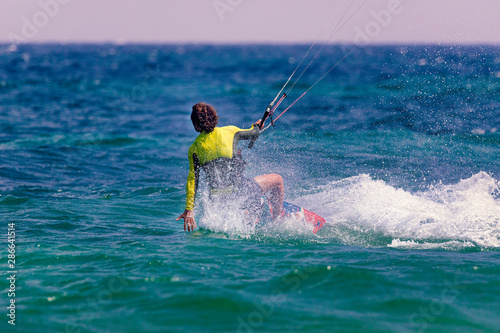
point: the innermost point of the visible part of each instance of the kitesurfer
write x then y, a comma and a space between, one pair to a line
215, 151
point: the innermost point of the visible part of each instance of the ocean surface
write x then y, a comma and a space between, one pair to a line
398, 148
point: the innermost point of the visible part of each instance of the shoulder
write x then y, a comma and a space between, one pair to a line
196, 142
232, 129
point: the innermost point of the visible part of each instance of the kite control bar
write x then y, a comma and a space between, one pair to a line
268, 113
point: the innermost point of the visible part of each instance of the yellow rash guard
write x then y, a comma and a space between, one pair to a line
216, 152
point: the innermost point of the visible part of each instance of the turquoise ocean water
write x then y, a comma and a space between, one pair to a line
398, 148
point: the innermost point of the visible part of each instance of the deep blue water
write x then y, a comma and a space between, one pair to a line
397, 147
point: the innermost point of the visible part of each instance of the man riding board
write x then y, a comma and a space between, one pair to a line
215, 151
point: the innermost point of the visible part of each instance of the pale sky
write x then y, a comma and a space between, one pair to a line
248, 21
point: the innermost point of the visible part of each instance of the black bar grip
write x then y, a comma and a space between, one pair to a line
261, 126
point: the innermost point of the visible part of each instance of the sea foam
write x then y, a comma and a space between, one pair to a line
364, 211
466, 212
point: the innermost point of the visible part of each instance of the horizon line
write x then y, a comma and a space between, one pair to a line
235, 43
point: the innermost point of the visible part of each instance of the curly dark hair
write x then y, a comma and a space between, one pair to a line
204, 117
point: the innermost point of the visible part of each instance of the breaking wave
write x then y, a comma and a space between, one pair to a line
457, 216
362, 211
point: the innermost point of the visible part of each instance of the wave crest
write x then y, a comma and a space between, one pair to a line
468, 211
